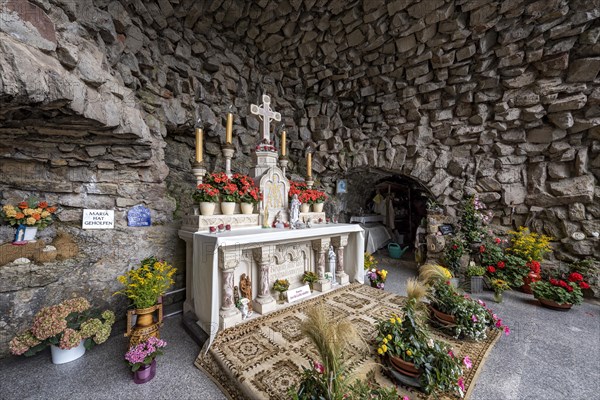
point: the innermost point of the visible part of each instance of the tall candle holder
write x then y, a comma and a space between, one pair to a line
199, 170
283, 163
309, 182
228, 150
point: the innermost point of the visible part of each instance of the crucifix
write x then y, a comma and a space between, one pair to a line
265, 113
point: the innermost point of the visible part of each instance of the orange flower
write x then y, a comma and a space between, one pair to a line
51, 209
23, 205
43, 204
19, 215
36, 216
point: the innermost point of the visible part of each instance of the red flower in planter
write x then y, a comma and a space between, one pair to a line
491, 269
482, 249
584, 285
575, 277
534, 266
501, 264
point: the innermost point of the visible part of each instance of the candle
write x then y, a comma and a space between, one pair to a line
229, 130
199, 144
309, 165
283, 143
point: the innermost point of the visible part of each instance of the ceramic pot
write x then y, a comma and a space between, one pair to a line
554, 305
247, 208
60, 356
145, 324
528, 280
207, 208
443, 318
304, 207
318, 207
476, 284
145, 373
404, 367
227, 207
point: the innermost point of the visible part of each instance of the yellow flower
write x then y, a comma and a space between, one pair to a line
379, 351
409, 353
28, 211
30, 221
384, 348
384, 340
389, 337
45, 214
392, 320
398, 321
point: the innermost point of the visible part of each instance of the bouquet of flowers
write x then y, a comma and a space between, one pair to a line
144, 353
377, 277
64, 325
248, 191
144, 285
30, 213
206, 193
312, 196
230, 192
281, 285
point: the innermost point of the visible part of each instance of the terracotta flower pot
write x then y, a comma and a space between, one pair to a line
404, 367
554, 305
443, 318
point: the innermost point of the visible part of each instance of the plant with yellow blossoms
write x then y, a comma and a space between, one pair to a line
528, 245
29, 213
144, 285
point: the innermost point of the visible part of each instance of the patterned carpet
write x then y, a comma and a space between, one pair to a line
262, 358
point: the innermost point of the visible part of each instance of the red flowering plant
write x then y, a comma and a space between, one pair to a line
230, 193
296, 188
206, 193
452, 254
561, 289
217, 180
248, 191
312, 196
502, 265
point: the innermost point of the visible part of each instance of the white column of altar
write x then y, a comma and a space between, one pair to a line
229, 315
263, 256
321, 246
339, 242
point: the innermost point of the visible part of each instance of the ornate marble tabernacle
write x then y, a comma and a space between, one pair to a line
216, 262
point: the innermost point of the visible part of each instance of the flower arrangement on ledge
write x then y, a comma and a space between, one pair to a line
298, 188
64, 325
29, 213
432, 361
471, 318
206, 193
312, 196
144, 285
248, 191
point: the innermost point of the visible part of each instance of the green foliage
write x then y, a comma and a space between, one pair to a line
310, 276
528, 245
453, 252
548, 291
475, 270
472, 219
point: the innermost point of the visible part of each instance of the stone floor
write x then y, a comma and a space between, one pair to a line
549, 354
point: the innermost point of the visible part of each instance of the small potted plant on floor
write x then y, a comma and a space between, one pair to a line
560, 293
142, 358
310, 278
499, 286
281, 285
69, 328
377, 277
476, 273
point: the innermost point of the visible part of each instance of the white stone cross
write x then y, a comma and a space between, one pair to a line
265, 113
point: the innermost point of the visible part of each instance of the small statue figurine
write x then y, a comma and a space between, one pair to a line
236, 295
246, 289
277, 223
244, 303
295, 209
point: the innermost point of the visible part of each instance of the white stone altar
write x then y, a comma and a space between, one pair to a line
216, 262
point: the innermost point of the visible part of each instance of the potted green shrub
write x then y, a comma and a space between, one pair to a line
476, 273
310, 278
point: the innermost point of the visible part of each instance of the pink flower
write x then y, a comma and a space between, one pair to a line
497, 240
498, 323
467, 362
450, 353
319, 367
506, 330
481, 302
473, 318
405, 398
461, 383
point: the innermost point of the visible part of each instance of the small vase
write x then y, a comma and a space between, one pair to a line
247, 208
60, 356
455, 282
207, 208
145, 324
318, 207
304, 207
282, 297
498, 297
528, 280
227, 207
145, 373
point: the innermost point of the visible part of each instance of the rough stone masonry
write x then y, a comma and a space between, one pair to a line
98, 99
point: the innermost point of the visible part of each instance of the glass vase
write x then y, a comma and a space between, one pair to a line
498, 297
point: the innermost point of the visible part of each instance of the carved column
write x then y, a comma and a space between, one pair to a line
188, 304
321, 246
264, 258
339, 242
229, 315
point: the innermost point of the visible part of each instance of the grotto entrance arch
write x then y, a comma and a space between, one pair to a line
379, 192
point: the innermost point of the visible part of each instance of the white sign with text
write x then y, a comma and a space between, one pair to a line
298, 294
98, 219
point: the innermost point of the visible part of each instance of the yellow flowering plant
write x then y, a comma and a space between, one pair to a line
29, 213
370, 260
528, 245
144, 285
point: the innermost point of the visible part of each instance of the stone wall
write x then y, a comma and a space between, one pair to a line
98, 100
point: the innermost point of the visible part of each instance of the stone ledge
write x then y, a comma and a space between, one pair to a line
199, 223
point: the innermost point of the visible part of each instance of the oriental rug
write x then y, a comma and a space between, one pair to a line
263, 358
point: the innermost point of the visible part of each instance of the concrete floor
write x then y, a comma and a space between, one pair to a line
549, 355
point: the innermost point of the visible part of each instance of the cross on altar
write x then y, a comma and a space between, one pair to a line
265, 113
